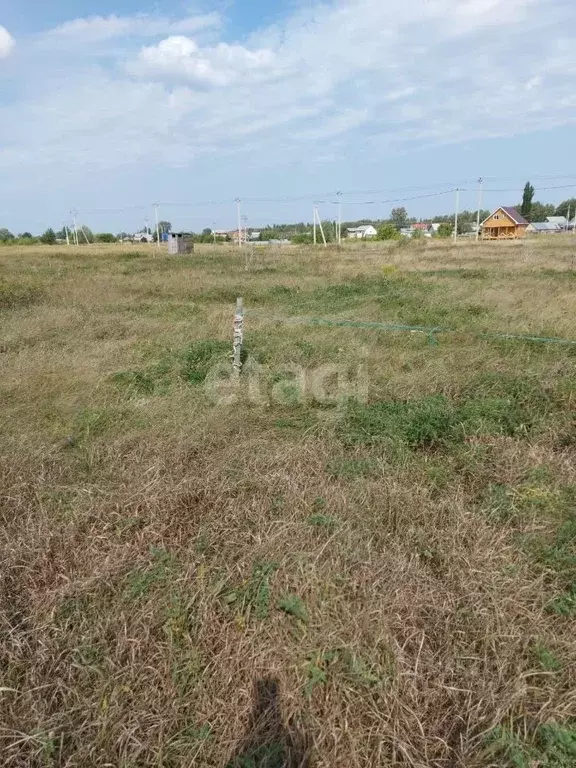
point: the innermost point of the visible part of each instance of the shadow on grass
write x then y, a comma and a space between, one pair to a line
269, 741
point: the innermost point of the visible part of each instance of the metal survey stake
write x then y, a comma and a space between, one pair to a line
238, 337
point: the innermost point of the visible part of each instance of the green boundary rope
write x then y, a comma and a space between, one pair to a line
428, 331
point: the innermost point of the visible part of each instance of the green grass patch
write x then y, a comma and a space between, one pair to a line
187, 669
134, 382
299, 419
349, 666
559, 556
350, 469
564, 604
461, 274
500, 408
132, 255
398, 292
546, 658
551, 746
15, 295
199, 358
252, 597
535, 498
559, 274
153, 380
143, 580
326, 522
408, 298
180, 620
98, 421
293, 605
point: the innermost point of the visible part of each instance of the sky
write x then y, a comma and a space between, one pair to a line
109, 107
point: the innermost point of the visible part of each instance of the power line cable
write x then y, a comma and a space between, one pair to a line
322, 198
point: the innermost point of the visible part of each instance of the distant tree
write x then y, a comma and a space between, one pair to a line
304, 238
399, 217
417, 234
388, 232
25, 236
541, 211
328, 227
49, 237
105, 237
165, 226
122, 235
445, 229
5, 235
85, 234
527, 198
565, 208
206, 231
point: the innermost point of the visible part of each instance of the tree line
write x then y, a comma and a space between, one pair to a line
84, 233
51, 237
535, 211
388, 229
301, 232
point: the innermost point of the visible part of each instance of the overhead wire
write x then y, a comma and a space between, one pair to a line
324, 198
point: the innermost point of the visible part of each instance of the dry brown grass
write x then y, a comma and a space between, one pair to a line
149, 534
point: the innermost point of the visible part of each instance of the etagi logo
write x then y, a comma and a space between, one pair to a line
291, 384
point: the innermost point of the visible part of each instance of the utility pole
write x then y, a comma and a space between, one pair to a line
480, 182
157, 224
568, 219
318, 219
239, 222
339, 195
322, 232
456, 215
74, 214
214, 231
245, 222
66, 232
314, 218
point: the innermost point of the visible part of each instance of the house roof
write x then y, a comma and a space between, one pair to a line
545, 226
557, 220
512, 214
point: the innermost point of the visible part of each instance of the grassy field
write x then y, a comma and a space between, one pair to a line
361, 554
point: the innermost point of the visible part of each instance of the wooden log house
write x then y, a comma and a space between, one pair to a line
504, 224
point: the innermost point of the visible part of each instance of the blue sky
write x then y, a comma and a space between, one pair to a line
110, 106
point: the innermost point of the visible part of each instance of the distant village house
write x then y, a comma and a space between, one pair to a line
504, 224
144, 237
361, 233
552, 226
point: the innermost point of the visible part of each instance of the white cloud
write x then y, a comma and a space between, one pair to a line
7, 43
338, 78
178, 57
100, 28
